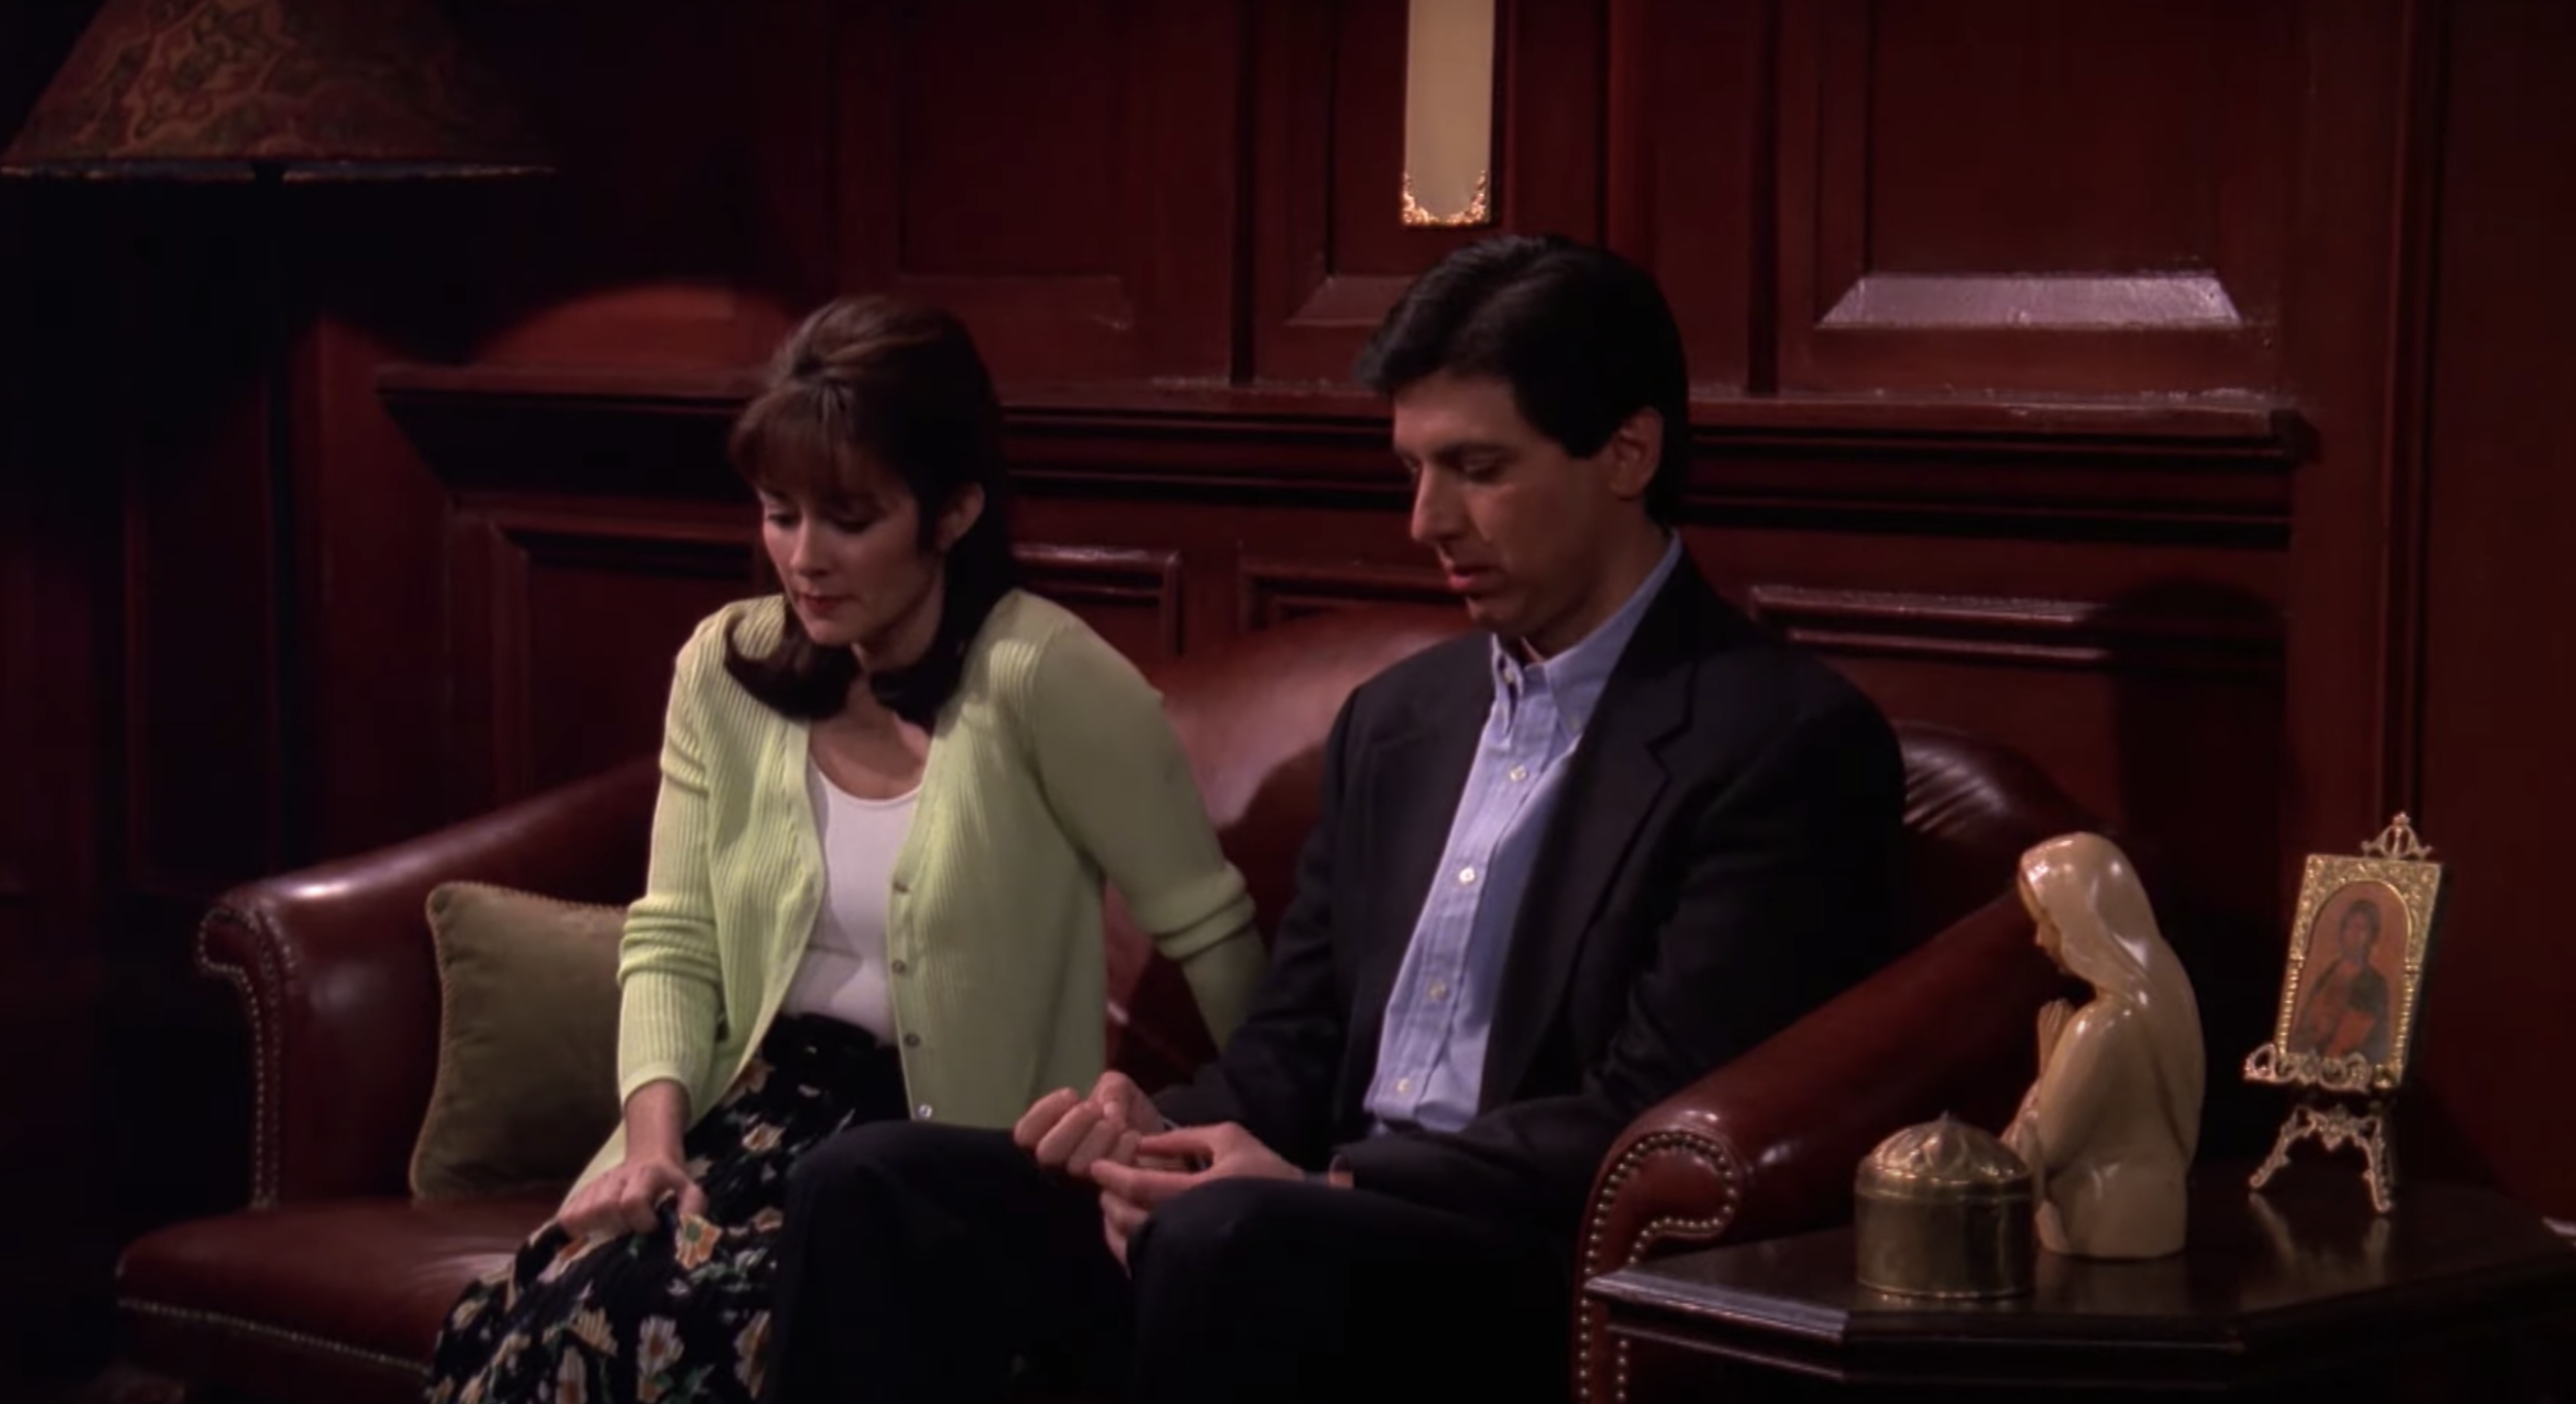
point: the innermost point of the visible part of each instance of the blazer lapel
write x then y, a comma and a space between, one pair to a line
1415, 780
1617, 778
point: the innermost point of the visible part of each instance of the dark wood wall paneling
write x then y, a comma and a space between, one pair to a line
2488, 743
2062, 372
63, 424
2043, 378
2010, 397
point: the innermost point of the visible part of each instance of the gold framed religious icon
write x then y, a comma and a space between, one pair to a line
2350, 997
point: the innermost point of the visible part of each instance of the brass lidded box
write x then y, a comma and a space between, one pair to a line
1943, 1210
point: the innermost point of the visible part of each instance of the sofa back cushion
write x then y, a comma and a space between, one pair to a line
526, 1087
1254, 714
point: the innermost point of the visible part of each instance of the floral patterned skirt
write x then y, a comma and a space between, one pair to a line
679, 1315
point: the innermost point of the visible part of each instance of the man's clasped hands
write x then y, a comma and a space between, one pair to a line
1116, 1141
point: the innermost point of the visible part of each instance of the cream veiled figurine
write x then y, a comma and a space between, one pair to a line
2110, 1126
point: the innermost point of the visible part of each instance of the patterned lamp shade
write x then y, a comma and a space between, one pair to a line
307, 89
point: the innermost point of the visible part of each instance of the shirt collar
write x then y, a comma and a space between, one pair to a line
1576, 677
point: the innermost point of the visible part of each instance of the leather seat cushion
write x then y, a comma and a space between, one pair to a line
342, 1295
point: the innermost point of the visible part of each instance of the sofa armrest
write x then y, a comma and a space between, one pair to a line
339, 985
1768, 1144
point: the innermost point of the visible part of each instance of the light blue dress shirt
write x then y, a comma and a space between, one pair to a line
1431, 1054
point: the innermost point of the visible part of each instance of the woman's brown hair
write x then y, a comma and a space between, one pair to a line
875, 381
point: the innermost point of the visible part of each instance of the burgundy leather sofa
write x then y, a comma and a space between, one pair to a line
329, 1286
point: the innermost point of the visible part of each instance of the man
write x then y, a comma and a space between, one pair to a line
1561, 869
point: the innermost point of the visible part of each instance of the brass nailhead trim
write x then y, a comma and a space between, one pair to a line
1719, 1160
267, 1059
302, 1340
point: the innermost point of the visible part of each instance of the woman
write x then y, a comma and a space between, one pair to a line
2111, 1125
889, 798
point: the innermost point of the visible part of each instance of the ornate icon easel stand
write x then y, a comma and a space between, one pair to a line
2349, 1101
2333, 1125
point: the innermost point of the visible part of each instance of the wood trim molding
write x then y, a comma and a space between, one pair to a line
1271, 591
2100, 636
1113, 575
2039, 302
2213, 469
2253, 421
517, 540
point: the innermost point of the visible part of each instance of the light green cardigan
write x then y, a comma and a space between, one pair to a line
1052, 767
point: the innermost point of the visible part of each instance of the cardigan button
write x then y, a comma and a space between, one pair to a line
899, 967
912, 1040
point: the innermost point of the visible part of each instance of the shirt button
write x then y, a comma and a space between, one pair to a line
922, 1112
1466, 875
1402, 1084
912, 1040
1439, 991
1520, 773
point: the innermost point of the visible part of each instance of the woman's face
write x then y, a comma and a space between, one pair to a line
854, 567
2045, 933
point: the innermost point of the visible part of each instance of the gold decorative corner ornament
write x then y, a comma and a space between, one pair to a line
2350, 997
2398, 841
1449, 86
1479, 209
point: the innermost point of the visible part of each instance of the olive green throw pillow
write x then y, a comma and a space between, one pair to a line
527, 1041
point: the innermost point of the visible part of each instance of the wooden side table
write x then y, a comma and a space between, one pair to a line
2299, 1291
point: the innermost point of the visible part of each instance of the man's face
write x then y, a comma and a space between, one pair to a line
1524, 531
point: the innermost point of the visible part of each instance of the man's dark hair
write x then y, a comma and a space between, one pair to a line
1583, 337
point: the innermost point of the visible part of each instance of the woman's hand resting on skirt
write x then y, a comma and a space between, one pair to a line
622, 1200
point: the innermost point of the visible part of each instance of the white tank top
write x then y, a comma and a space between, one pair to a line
843, 974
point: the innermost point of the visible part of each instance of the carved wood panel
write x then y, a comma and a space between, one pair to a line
2161, 715
1688, 170
570, 617
2099, 691
1132, 597
569, 621
1061, 175
2015, 632
1330, 252
2018, 194
1270, 591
